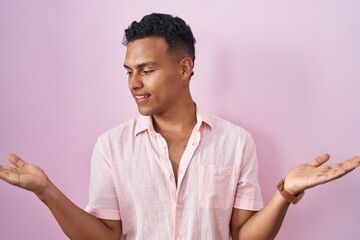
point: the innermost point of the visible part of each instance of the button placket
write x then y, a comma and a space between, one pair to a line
164, 161
187, 156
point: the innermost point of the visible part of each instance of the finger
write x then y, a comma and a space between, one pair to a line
347, 165
16, 160
338, 170
356, 159
319, 160
4, 172
350, 164
10, 175
3, 175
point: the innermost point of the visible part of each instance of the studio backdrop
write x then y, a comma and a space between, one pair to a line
287, 71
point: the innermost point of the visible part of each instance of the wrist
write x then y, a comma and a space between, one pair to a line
289, 196
290, 188
46, 191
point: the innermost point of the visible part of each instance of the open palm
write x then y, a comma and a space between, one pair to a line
24, 175
311, 174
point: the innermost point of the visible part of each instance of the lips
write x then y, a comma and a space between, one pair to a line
139, 98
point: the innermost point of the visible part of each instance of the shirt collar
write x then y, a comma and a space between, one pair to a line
143, 123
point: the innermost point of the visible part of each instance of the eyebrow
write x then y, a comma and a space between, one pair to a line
141, 65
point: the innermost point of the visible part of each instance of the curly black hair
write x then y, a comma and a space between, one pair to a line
174, 30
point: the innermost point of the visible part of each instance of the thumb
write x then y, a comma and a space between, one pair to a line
16, 160
319, 160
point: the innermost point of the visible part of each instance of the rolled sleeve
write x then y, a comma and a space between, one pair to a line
248, 193
103, 202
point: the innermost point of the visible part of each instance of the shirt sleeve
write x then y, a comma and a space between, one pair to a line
103, 202
248, 193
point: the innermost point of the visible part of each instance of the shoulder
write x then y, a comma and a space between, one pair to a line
227, 127
119, 133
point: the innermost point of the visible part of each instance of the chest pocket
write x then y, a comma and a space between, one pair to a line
216, 186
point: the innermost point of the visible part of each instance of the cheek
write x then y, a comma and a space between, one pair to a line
164, 84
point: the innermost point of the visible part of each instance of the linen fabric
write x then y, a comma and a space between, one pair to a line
132, 180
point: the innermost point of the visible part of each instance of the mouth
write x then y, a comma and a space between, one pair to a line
141, 98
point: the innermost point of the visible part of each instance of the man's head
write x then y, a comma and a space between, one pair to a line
174, 30
159, 63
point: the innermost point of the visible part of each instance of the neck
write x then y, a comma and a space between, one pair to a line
180, 119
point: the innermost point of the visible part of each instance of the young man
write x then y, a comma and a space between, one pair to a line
174, 172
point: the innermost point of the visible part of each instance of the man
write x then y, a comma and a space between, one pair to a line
174, 172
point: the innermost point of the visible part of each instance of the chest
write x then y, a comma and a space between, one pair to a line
176, 147
150, 157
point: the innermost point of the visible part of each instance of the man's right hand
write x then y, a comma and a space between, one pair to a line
74, 221
24, 175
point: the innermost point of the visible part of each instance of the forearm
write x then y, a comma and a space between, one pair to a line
74, 221
266, 223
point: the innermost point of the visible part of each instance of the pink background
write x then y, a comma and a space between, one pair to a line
288, 71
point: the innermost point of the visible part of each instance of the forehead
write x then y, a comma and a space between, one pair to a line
147, 49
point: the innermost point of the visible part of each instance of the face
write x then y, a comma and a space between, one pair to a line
155, 75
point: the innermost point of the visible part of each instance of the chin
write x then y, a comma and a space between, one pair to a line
145, 112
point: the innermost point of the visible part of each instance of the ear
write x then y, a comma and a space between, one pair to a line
186, 67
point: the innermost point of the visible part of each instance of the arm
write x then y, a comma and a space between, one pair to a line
75, 222
266, 223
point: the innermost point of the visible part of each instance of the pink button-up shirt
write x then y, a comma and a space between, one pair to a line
132, 180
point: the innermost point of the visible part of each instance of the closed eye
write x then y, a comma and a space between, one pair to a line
146, 72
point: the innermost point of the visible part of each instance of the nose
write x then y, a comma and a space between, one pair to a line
135, 81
